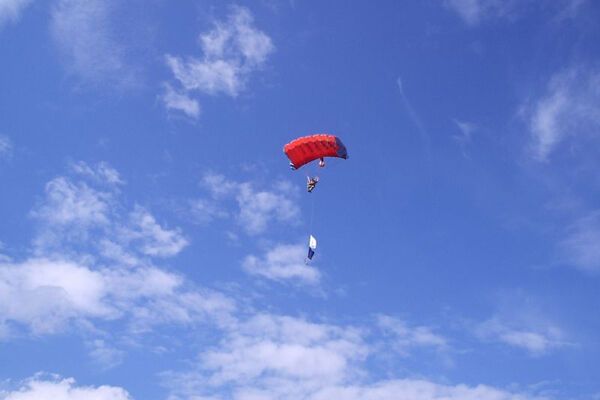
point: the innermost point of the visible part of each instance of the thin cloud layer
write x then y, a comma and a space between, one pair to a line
472, 12
10, 10
568, 110
283, 263
522, 324
475, 12
232, 51
405, 337
271, 357
89, 42
256, 208
580, 248
6, 147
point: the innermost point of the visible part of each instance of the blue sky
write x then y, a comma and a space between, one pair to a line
152, 236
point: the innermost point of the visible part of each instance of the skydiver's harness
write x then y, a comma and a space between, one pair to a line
311, 183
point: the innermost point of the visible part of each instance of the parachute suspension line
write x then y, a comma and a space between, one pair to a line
312, 213
310, 231
313, 171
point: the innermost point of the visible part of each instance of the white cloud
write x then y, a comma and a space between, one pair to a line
10, 10
105, 355
92, 47
38, 388
46, 296
581, 248
175, 100
73, 203
6, 147
271, 357
84, 211
536, 336
232, 51
283, 263
405, 337
286, 355
154, 239
101, 173
94, 264
569, 109
257, 207
466, 133
474, 12
204, 211
415, 389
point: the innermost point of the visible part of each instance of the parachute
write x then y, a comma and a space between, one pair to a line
303, 150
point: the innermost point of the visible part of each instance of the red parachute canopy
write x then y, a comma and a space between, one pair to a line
309, 148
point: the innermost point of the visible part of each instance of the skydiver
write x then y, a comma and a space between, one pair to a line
321, 162
311, 183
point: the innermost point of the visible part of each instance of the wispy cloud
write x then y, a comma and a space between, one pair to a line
84, 210
283, 263
466, 134
154, 240
101, 173
256, 207
581, 246
405, 337
536, 340
95, 263
92, 47
521, 322
180, 101
10, 10
103, 354
415, 119
474, 12
6, 147
568, 109
232, 51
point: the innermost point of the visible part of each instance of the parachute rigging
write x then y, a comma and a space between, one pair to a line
305, 150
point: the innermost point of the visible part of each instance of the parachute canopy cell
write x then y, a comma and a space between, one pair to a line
309, 148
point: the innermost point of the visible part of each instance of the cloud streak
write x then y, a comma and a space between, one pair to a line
415, 119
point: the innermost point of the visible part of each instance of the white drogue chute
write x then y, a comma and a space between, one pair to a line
312, 246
